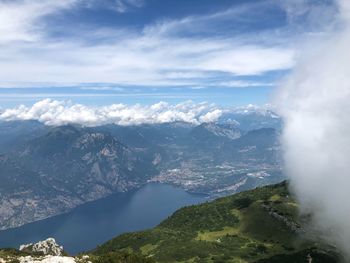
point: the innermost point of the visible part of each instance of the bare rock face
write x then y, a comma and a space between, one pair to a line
46, 247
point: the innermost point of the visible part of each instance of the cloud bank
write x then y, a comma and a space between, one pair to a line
55, 113
314, 103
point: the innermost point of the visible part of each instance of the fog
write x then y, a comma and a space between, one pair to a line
315, 104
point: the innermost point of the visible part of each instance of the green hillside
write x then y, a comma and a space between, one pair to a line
11, 255
260, 226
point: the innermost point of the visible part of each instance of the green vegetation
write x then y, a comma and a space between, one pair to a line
12, 252
120, 257
259, 226
12, 255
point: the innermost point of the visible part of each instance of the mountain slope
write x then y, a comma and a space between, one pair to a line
213, 133
14, 133
260, 225
66, 167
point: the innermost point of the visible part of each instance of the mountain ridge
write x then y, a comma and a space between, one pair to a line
258, 226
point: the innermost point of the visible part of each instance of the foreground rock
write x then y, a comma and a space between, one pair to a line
47, 259
46, 247
47, 251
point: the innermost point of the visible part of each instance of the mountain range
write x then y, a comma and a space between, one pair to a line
46, 170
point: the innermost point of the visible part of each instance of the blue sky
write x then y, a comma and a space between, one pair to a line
99, 52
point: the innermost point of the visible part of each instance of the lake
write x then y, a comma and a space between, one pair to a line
93, 223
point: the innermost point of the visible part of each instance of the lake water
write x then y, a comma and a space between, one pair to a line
94, 223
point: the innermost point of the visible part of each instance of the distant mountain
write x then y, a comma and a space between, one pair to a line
209, 133
252, 118
259, 226
261, 145
216, 164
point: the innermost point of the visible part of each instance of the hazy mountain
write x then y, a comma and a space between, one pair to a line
252, 118
14, 133
215, 164
215, 133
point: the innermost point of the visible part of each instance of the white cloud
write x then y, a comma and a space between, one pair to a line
103, 88
248, 60
139, 61
314, 102
152, 57
120, 6
211, 116
244, 84
344, 6
54, 112
19, 20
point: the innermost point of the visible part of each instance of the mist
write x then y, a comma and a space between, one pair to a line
315, 104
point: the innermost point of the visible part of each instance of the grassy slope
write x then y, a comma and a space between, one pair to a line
255, 226
13, 256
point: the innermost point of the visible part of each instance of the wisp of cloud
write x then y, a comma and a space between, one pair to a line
315, 104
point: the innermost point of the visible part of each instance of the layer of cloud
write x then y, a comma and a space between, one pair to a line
19, 20
54, 112
151, 57
145, 60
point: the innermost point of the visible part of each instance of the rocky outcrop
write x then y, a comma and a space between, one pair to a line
47, 259
47, 251
293, 226
46, 247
